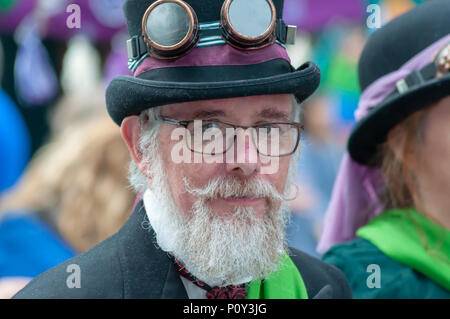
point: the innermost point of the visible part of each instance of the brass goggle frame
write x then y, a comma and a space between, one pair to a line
229, 34
442, 60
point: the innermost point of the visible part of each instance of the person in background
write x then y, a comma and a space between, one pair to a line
15, 150
15, 144
73, 195
388, 223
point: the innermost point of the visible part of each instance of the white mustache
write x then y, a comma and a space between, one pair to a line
232, 187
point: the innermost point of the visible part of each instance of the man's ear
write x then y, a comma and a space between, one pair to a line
130, 131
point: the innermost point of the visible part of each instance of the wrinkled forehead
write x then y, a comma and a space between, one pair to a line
276, 107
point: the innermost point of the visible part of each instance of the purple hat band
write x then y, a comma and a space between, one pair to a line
380, 89
214, 56
354, 200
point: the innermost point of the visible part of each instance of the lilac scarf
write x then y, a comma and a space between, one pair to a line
354, 199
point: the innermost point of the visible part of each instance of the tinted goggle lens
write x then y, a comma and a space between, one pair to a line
250, 18
171, 27
168, 24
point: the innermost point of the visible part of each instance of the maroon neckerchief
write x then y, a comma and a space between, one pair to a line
228, 292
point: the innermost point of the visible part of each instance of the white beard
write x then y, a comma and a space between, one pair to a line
219, 251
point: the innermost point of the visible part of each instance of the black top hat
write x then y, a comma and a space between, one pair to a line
386, 51
211, 69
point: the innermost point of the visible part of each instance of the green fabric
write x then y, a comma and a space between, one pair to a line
410, 238
342, 74
286, 283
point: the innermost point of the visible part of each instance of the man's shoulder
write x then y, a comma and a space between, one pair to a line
322, 280
360, 260
126, 265
95, 273
353, 252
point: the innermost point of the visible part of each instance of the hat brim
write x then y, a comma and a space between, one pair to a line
372, 130
126, 95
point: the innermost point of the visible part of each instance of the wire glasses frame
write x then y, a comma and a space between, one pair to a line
187, 124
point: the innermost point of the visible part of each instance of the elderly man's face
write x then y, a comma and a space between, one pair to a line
246, 111
224, 219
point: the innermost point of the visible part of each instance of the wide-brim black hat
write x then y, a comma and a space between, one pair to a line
386, 51
209, 72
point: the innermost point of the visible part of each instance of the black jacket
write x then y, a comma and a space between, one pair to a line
130, 265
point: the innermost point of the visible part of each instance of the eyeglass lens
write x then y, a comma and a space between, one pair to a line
209, 137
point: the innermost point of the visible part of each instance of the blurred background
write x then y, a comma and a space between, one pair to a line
63, 166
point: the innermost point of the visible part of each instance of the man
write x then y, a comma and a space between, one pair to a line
211, 121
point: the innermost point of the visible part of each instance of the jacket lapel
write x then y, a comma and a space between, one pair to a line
148, 272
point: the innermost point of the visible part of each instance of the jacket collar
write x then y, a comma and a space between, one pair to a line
148, 272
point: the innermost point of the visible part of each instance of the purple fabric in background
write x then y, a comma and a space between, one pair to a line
32, 58
308, 15
90, 25
353, 202
11, 19
312, 15
99, 25
116, 65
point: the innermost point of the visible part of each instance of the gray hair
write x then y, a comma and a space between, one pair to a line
149, 123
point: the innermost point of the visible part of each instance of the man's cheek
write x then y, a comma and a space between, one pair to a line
270, 165
199, 173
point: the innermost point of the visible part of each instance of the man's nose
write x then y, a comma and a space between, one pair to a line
243, 158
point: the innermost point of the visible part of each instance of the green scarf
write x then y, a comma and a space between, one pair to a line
286, 283
410, 238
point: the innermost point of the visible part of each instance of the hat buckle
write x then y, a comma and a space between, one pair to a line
442, 60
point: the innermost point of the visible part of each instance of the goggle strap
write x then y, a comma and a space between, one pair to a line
210, 26
285, 33
415, 78
136, 47
210, 34
210, 41
281, 31
291, 34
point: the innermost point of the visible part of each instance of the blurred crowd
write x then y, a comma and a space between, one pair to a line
63, 165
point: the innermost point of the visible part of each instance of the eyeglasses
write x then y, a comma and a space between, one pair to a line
213, 137
170, 28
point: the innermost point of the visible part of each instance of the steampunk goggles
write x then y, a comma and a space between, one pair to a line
170, 28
